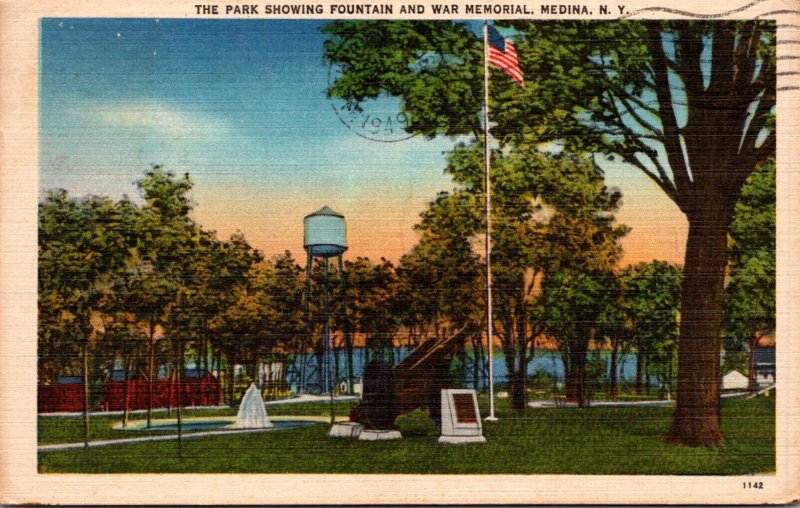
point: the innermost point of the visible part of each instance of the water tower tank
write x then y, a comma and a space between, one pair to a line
324, 233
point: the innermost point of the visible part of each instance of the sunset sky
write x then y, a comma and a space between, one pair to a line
241, 106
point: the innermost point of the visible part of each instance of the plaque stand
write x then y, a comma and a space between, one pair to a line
461, 418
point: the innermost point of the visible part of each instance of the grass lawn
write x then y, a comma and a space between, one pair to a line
541, 441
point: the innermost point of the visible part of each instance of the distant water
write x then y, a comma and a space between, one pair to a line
544, 361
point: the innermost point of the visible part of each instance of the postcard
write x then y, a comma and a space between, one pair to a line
343, 252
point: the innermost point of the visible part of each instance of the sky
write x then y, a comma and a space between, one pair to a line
240, 105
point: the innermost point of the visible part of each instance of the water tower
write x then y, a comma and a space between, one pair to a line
324, 236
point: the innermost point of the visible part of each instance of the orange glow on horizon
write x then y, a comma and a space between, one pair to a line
392, 237
380, 221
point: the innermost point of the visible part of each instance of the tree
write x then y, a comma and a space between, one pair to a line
550, 209
371, 303
574, 301
615, 331
288, 332
519, 247
579, 283
440, 277
116, 276
166, 237
441, 269
80, 248
651, 298
639, 90
750, 294
245, 313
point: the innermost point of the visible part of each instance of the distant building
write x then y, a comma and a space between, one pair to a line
734, 380
764, 363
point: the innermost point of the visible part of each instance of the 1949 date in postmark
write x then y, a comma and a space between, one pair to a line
378, 119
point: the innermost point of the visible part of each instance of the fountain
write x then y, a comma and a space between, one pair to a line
252, 413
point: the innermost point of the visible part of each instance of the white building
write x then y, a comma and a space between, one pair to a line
734, 380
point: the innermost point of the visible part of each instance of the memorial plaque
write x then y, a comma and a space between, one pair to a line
465, 408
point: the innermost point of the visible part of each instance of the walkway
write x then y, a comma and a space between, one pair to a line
538, 404
190, 435
290, 400
311, 398
129, 440
546, 403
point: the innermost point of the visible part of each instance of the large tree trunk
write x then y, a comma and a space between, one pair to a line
575, 369
580, 368
518, 395
612, 373
696, 421
220, 384
641, 357
516, 371
518, 387
476, 362
752, 382
570, 376
571, 383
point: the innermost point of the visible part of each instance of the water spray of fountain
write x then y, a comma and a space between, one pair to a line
252, 413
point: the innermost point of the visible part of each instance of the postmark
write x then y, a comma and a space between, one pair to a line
381, 119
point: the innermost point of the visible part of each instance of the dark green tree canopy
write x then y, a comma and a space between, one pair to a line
648, 92
750, 294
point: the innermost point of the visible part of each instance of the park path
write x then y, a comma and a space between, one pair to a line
548, 403
129, 440
292, 400
191, 435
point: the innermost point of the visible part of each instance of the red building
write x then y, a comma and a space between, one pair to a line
67, 394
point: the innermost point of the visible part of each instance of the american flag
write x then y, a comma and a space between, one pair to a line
503, 55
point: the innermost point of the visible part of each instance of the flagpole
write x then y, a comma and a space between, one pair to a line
488, 186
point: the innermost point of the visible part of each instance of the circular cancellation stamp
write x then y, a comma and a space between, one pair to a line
378, 119
381, 119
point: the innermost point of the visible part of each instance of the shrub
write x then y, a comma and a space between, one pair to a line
416, 423
541, 380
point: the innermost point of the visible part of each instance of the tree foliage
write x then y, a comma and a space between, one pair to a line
750, 293
651, 299
688, 103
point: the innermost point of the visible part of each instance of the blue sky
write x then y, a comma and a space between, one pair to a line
241, 106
